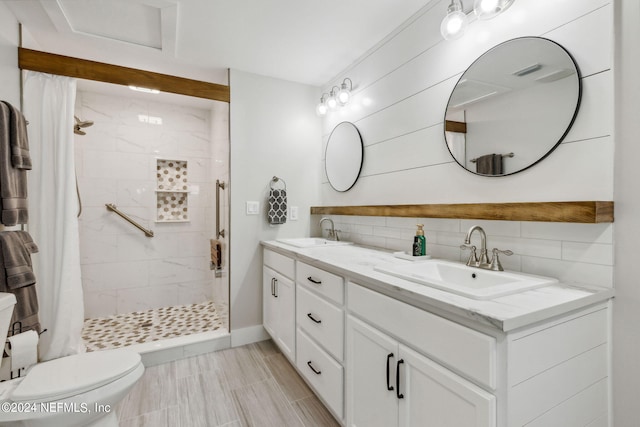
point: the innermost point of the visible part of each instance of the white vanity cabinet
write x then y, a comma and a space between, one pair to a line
380, 354
278, 301
320, 333
390, 384
408, 367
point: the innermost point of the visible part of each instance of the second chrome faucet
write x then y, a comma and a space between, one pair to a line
332, 232
483, 260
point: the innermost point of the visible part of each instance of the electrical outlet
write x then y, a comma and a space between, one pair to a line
293, 213
253, 208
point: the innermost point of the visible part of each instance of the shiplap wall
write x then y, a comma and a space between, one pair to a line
401, 88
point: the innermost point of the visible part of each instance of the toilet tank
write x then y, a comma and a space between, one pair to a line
7, 301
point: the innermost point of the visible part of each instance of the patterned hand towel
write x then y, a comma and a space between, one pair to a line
277, 213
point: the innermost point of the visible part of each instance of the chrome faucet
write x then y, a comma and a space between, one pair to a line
333, 233
483, 261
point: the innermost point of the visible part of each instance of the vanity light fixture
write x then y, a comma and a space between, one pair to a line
344, 94
487, 9
337, 97
322, 108
332, 101
455, 22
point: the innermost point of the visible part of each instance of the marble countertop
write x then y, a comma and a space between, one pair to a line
506, 313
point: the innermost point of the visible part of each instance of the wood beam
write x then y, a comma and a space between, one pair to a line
590, 212
451, 126
84, 69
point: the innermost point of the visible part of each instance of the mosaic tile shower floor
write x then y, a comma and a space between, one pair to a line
121, 330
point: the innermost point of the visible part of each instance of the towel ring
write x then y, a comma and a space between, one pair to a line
275, 180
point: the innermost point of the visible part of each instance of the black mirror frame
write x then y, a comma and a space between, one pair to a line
573, 118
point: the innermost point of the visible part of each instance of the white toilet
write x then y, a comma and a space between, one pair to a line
78, 390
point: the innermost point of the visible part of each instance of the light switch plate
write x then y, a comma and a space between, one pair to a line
253, 208
293, 213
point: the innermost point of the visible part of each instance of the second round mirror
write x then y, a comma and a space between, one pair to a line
512, 106
343, 157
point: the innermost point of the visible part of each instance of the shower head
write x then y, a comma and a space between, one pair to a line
77, 127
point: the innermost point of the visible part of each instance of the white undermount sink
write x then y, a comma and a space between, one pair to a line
467, 281
310, 242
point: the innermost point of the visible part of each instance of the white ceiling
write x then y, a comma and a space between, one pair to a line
298, 40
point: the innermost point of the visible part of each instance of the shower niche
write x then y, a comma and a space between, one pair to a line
172, 191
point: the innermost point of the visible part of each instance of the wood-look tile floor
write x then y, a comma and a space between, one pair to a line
252, 385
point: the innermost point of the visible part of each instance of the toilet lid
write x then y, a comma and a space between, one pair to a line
72, 375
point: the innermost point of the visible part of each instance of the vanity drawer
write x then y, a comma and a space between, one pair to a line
464, 350
323, 373
328, 284
280, 263
321, 320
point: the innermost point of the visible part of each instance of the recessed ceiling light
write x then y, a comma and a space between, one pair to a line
527, 70
143, 89
555, 75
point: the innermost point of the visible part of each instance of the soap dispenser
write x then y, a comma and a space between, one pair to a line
419, 242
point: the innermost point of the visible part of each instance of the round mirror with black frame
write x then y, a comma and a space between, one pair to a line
512, 107
343, 156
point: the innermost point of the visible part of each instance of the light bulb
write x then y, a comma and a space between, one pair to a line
454, 24
488, 5
321, 109
487, 9
332, 102
344, 95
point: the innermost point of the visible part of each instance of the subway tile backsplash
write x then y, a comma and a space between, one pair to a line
573, 253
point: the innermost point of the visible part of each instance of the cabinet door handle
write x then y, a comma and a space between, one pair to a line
315, 371
398, 394
389, 356
275, 288
312, 280
310, 316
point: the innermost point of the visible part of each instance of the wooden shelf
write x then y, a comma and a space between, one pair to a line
588, 212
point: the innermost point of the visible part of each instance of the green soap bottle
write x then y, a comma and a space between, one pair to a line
419, 242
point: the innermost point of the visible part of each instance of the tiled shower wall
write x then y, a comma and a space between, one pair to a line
122, 270
573, 253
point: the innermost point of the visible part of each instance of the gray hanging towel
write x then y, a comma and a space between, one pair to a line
19, 141
13, 181
16, 277
277, 206
489, 164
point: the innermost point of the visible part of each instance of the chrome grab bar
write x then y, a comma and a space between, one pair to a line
219, 186
111, 207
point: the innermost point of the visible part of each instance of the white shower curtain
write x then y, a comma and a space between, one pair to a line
457, 145
53, 205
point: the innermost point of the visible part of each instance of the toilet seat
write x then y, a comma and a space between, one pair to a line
72, 375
